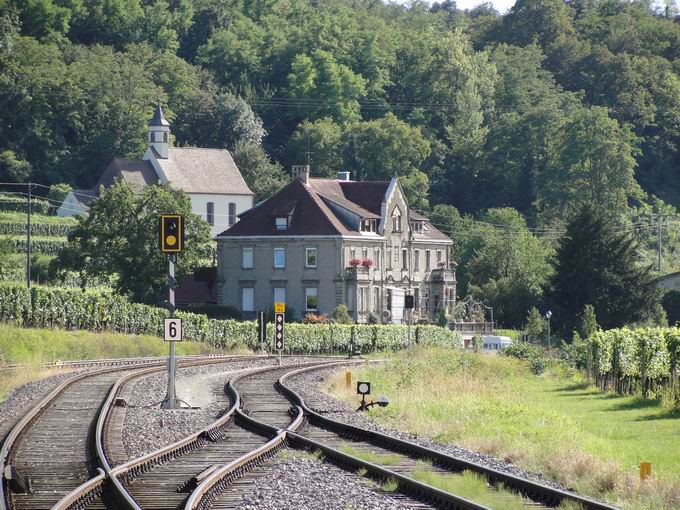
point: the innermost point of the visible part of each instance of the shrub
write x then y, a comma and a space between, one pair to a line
477, 343
102, 310
527, 352
341, 314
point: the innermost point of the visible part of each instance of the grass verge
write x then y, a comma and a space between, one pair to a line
556, 423
33, 347
372, 457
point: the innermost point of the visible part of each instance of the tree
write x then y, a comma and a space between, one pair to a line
322, 141
120, 238
596, 264
262, 176
535, 324
341, 315
588, 322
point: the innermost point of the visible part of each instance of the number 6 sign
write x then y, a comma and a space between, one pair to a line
173, 330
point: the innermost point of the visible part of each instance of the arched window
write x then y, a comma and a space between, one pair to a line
396, 219
165, 137
210, 216
231, 213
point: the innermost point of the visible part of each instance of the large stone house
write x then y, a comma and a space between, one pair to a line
321, 242
210, 177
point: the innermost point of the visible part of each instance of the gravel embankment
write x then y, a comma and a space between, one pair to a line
295, 480
21, 399
309, 387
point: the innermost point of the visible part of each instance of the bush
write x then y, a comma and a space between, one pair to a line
341, 315
102, 310
527, 352
213, 311
10, 202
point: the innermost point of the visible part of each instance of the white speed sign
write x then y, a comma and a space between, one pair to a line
173, 330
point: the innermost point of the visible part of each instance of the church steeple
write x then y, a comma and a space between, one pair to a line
159, 131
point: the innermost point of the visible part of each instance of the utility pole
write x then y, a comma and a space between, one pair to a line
28, 239
171, 399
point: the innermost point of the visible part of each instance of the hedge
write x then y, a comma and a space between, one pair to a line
37, 229
100, 310
14, 203
643, 360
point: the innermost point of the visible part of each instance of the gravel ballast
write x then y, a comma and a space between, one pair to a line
21, 399
308, 386
297, 480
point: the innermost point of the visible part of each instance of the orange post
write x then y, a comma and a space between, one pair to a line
348, 379
645, 470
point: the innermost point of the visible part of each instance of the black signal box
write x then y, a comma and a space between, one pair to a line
171, 233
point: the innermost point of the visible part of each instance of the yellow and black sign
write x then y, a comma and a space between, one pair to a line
171, 233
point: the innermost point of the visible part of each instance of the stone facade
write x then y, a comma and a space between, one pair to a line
370, 269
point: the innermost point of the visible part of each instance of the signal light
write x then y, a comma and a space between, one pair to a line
171, 233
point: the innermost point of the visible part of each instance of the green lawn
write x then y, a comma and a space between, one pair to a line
36, 346
554, 423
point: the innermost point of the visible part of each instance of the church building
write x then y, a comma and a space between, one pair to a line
210, 177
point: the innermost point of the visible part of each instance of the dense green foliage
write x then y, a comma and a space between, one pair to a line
120, 238
597, 265
98, 310
549, 106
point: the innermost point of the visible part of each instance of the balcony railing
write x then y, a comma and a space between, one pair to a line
443, 274
358, 273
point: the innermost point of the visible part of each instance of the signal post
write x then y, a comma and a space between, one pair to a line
171, 241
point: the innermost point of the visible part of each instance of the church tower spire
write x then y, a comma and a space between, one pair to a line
159, 131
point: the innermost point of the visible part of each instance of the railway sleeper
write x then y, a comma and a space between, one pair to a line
190, 485
17, 482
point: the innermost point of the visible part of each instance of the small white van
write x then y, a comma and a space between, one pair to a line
496, 343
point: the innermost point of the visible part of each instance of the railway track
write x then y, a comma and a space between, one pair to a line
52, 449
264, 406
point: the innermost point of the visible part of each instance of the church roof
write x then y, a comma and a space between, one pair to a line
197, 170
135, 172
158, 118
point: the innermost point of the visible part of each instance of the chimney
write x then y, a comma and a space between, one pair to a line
343, 176
301, 172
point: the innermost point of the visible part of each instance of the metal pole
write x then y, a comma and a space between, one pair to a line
171, 399
548, 335
410, 311
28, 239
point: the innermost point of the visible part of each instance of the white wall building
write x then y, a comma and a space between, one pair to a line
210, 177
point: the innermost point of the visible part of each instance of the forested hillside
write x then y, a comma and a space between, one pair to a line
550, 105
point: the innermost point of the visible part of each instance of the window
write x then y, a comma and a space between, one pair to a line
389, 299
396, 220
165, 137
279, 294
352, 253
279, 258
389, 259
427, 260
350, 298
404, 259
247, 258
439, 256
282, 223
376, 258
211, 213
311, 298
363, 299
416, 260
368, 225
231, 213
376, 299
364, 253
248, 299
310, 257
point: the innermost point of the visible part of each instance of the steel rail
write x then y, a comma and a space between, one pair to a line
534, 490
204, 494
117, 477
32, 414
82, 495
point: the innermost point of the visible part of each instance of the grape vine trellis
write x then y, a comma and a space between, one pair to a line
98, 310
643, 360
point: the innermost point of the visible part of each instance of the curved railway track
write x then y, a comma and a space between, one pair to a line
212, 467
52, 449
263, 404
